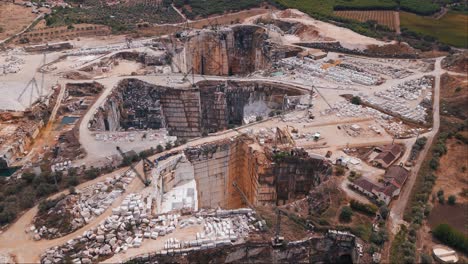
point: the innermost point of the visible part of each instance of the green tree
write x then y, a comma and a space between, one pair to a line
168, 145
383, 210
346, 214
7, 215
159, 148
45, 189
27, 199
451, 237
426, 259
28, 177
452, 199
73, 181
434, 163
356, 100
91, 173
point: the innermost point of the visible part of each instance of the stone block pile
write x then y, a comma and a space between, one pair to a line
393, 72
86, 205
12, 65
341, 75
133, 222
161, 135
346, 109
396, 99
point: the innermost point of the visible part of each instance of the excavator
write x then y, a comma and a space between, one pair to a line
283, 137
144, 179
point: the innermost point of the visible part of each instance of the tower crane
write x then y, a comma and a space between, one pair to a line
144, 179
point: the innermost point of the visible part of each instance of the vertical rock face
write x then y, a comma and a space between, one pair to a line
213, 109
217, 166
181, 109
224, 103
247, 54
291, 176
108, 116
237, 50
295, 177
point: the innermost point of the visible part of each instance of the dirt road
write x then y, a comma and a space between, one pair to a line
398, 207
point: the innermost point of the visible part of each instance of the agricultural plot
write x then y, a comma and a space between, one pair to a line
385, 18
450, 29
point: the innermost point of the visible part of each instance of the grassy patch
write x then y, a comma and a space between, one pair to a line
363, 231
450, 29
365, 4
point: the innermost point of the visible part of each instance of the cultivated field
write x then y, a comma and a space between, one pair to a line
13, 19
386, 18
450, 29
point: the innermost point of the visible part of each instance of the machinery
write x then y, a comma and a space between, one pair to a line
283, 137
278, 240
145, 179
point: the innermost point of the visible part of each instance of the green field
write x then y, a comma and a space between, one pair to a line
422, 7
450, 29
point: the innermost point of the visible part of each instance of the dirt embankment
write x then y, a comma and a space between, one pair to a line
454, 95
456, 62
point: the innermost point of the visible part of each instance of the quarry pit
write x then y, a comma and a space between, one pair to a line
209, 107
227, 120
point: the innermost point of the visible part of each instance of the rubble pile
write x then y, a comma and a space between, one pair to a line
12, 65
396, 98
341, 75
418, 65
346, 109
83, 207
393, 72
159, 135
133, 222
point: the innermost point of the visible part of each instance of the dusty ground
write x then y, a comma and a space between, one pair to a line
452, 174
454, 95
14, 18
454, 215
348, 38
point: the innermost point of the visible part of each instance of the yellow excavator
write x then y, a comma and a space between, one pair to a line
283, 137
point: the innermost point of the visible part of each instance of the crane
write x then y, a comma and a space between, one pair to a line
145, 180
243, 196
277, 240
33, 86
